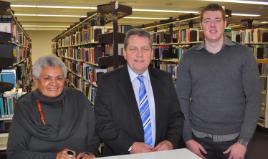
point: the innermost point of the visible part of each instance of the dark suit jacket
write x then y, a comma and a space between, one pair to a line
118, 122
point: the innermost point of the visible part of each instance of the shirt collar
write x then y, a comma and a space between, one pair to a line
226, 42
133, 75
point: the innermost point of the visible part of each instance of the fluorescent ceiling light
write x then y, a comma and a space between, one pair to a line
95, 8
33, 28
138, 10
242, 2
46, 26
148, 18
80, 16
246, 15
264, 22
49, 15
41, 6
164, 11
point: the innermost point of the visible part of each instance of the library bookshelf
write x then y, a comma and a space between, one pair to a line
92, 47
15, 67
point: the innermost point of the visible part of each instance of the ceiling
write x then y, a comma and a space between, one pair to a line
60, 23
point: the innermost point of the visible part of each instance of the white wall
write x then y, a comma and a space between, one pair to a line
41, 42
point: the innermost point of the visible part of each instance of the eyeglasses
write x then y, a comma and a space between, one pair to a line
209, 21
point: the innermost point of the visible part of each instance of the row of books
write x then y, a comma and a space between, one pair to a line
86, 87
180, 36
91, 73
18, 76
170, 68
84, 77
89, 54
85, 54
7, 102
166, 52
90, 91
16, 35
109, 49
75, 67
24, 72
86, 36
9, 76
74, 80
14, 52
260, 52
89, 34
14, 43
84, 71
257, 35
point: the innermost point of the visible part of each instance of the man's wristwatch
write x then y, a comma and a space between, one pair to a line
243, 142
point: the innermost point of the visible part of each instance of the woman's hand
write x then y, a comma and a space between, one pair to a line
85, 155
66, 154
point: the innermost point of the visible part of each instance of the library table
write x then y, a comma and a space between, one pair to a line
171, 154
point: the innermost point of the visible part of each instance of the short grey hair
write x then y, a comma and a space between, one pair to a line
48, 61
139, 32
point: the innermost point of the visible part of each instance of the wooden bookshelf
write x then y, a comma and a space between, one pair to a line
15, 44
171, 38
257, 39
85, 46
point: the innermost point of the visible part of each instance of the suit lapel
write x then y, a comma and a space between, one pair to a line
126, 89
157, 90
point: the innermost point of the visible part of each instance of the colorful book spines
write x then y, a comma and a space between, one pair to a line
7, 104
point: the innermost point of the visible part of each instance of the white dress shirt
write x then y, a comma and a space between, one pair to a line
136, 85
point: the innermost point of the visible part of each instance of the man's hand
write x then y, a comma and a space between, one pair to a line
140, 147
236, 151
164, 145
196, 148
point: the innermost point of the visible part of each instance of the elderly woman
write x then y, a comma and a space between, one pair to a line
52, 122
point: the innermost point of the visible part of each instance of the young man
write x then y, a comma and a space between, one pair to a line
136, 108
219, 92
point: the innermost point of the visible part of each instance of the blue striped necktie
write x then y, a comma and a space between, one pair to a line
145, 112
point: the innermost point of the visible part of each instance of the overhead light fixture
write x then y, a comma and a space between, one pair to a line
43, 6
34, 28
45, 26
81, 16
163, 11
49, 15
264, 22
245, 14
242, 2
146, 18
95, 8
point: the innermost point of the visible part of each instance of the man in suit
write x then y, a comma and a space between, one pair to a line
136, 107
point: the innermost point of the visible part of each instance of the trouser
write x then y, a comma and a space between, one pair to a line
215, 149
